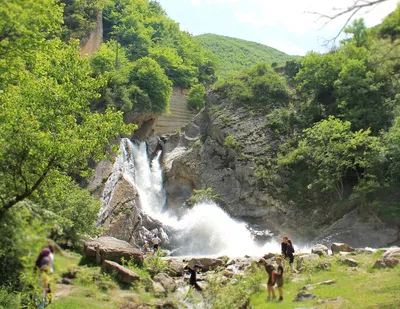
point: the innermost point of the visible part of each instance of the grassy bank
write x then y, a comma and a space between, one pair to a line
355, 287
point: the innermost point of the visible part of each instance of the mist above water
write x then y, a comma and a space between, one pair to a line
204, 229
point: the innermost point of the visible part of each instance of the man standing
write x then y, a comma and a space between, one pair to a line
155, 241
193, 276
287, 249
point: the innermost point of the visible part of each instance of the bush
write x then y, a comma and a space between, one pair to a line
202, 195
196, 97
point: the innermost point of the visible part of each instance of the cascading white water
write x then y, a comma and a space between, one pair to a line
203, 230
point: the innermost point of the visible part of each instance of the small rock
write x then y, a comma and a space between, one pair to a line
350, 262
308, 287
327, 282
320, 250
269, 255
303, 295
228, 273
341, 247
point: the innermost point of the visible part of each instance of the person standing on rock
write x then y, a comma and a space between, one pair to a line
287, 249
271, 281
279, 278
155, 241
193, 276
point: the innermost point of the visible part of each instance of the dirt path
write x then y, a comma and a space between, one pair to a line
63, 290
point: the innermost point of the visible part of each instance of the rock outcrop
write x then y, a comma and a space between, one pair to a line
123, 274
112, 249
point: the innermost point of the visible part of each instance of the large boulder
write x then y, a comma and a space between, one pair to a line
110, 248
206, 263
386, 262
306, 258
166, 281
341, 247
393, 252
123, 274
175, 267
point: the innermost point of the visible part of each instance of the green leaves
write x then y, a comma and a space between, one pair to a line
196, 97
46, 123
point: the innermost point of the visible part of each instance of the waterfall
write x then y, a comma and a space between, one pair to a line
204, 229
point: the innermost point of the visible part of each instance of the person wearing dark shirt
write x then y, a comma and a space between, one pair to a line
287, 249
271, 281
279, 278
193, 276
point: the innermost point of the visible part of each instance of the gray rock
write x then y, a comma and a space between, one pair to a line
110, 248
158, 289
350, 262
124, 274
206, 263
393, 252
166, 281
327, 282
304, 295
320, 250
306, 258
175, 267
341, 247
390, 262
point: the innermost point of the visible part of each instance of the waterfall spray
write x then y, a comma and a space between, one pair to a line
204, 229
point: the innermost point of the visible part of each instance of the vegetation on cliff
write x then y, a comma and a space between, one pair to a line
339, 121
234, 55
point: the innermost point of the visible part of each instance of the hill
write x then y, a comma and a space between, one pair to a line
233, 55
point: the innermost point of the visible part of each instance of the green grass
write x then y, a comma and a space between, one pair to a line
361, 287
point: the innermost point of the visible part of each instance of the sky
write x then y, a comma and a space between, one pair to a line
287, 25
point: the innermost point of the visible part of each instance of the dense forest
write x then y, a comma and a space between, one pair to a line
59, 112
334, 123
233, 55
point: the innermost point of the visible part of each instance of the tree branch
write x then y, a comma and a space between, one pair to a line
27, 192
352, 10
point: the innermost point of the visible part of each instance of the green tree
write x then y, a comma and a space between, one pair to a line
196, 97
46, 124
152, 87
330, 151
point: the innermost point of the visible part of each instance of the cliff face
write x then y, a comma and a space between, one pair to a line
96, 37
218, 150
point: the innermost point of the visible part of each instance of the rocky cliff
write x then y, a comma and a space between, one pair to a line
219, 150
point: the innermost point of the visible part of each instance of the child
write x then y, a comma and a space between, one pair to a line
279, 278
155, 241
271, 280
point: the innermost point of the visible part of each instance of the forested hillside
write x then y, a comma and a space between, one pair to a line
233, 55
333, 124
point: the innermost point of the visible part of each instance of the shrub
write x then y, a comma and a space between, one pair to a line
196, 97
